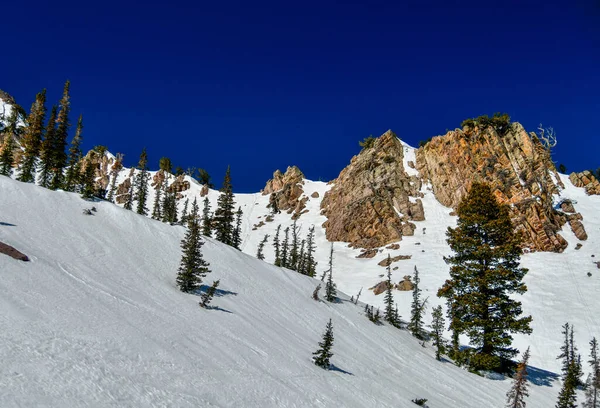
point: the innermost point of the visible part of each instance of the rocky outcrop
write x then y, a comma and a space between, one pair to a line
12, 252
373, 199
390, 260
122, 191
517, 167
586, 180
404, 285
285, 190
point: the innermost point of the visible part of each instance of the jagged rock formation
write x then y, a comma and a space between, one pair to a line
285, 190
13, 252
586, 180
373, 201
515, 164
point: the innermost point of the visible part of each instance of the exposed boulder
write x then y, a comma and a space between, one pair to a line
388, 261
285, 190
373, 199
393, 246
12, 252
367, 253
122, 191
315, 195
405, 284
586, 180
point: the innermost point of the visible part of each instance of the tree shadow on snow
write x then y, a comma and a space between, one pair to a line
219, 309
7, 224
333, 367
218, 292
542, 377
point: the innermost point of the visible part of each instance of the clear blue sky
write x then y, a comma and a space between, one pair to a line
262, 86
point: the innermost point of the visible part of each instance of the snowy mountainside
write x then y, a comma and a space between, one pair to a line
95, 319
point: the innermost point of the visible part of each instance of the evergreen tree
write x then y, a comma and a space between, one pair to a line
129, 197
261, 246
46, 150
193, 267
88, 187
567, 398
209, 294
277, 247
206, 218
223, 218
59, 141
388, 300
7, 157
72, 179
141, 183
156, 210
169, 205
437, 325
323, 354
416, 310
114, 173
592, 385
285, 246
184, 212
570, 356
484, 273
32, 139
330, 287
310, 265
236, 240
301, 258
293, 261
165, 164
518, 391
204, 178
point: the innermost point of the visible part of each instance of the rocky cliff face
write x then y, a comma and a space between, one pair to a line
517, 167
586, 180
285, 190
374, 200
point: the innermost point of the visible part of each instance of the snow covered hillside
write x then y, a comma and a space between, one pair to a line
95, 319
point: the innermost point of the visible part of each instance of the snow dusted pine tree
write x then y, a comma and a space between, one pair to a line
518, 391
277, 247
193, 267
330, 287
208, 295
32, 139
592, 385
236, 240
388, 300
261, 246
206, 218
416, 310
59, 141
437, 325
46, 152
323, 354
141, 183
72, 179
223, 218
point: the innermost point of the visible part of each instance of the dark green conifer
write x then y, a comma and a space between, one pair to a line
236, 240
323, 354
223, 218
32, 139
141, 183
484, 274
285, 246
165, 164
261, 246
72, 178
59, 141
518, 391
204, 178
277, 247
294, 254
330, 286
7, 157
129, 197
87, 179
192, 267
46, 153
567, 398
592, 385
310, 265
209, 294
184, 213
388, 300
416, 311
206, 218
437, 326
156, 210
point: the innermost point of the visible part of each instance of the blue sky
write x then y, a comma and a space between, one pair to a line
261, 86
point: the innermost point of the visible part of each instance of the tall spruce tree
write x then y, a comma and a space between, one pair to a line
301, 258
294, 254
330, 286
184, 212
568, 353
416, 310
484, 273
285, 247
323, 354
223, 218
192, 267
388, 300
156, 210
277, 246
592, 385
32, 139
310, 265
59, 142
206, 218
261, 247
87, 179
567, 397
437, 326
7, 157
46, 150
141, 183
129, 197
236, 240
72, 178
518, 391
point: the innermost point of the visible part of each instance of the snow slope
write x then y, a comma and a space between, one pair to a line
95, 320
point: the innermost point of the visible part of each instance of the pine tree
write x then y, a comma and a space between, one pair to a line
261, 246
285, 246
206, 218
277, 247
567, 398
388, 300
293, 258
7, 157
209, 294
564, 351
88, 187
193, 267
114, 173
223, 218
184, 213
330, 287
323, 354
570, 356
416, 310
592, 385
32, 139
437, 325
156, 210
129, 197
59, 141
310, 265
141, 183
301, 259
72, 178
518, 391
46, 150
236, 239
576, 359
484, 273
